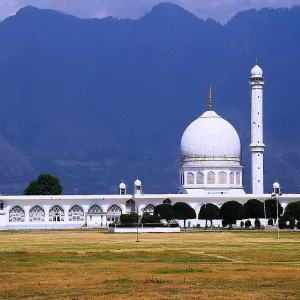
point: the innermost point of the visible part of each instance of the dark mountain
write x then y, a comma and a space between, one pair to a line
93, 101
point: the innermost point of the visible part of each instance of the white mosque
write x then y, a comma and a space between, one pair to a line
210, 172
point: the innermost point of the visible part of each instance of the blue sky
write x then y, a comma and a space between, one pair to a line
220, 10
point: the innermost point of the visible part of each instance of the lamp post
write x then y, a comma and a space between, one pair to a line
137, 229
275, 195
265, 215
137, 226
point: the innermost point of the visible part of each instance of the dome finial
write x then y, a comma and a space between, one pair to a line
210, 98
256, 62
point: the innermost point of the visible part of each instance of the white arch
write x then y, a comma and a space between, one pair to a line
114, 209
231, 177
190, 178
76, 213
149, 209
238, 178
222, 177
36, 214
211, 177
56, 214
95, 209
17, 214
130, 206
200, 178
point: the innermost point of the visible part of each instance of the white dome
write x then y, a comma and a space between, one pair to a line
211, 136
137, 183
256, 71
122, 185
276, 185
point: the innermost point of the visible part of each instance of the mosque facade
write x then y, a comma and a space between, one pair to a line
210, 172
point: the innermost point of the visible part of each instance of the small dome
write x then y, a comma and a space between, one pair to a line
122, 185
256, 71
211, 136
137, 183
276, 185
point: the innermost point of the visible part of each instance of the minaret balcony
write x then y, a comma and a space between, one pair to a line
257, 147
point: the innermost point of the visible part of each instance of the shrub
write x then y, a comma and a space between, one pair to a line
298, 225
226, 222
147, 218
129, 218
242, 224
247, 223
292, 223
270, 222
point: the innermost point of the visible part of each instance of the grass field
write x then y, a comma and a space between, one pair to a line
88, 264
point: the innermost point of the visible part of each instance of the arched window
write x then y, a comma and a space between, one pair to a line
238, 178
95, 209
190, 178
17, 214
113, 213
114, 210
56, 214
76, 213
36, 214
167, 201
211, 178
222, 178
149, 209
231, 176
130, 206
200, 178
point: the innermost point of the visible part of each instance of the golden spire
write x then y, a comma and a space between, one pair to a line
256, 60
210, 98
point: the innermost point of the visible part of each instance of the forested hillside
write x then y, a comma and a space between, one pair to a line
97, 100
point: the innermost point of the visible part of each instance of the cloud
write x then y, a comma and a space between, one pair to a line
221, 10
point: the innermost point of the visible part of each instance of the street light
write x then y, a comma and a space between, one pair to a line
275, 195
265, 215
137, 227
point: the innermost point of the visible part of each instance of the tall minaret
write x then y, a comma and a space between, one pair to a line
257, 142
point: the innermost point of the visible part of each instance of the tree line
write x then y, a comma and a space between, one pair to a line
229, 213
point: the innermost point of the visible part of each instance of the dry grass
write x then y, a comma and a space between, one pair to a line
87, 264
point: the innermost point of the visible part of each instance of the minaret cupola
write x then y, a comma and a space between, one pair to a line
122, 188
138, 187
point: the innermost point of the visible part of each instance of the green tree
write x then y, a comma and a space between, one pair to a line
164, 211
292, 223
129, 218
226, 222
293, 210
254, 209
45, 184
271, 209
182, 211
232, 211
209, 212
